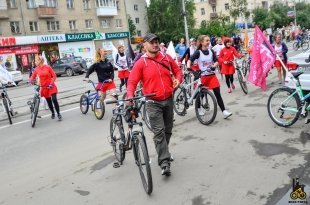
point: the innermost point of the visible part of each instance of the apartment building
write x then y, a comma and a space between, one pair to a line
137, 10
211, 9
60, 28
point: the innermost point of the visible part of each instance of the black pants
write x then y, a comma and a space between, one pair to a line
229, 79
219, 99
123, 82
53, 100
161, 120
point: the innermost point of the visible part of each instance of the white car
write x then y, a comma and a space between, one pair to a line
17, 76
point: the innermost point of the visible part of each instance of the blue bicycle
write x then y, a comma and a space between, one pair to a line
92, 98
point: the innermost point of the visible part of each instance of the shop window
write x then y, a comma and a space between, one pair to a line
118, 23
31, 4
53, 25
70, 4
106, 23
89, 23
33, 25
72, 25
203, 12
15, 28
86, 4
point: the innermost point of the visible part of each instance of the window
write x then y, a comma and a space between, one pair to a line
89, 23
50, 3
31, 4
265, 4
52, 25
72, 25
118, 23
86, 4
139, 33
226, 7
12, 4
117, 5
214, 9
70, 4
15, 27
201, 0
203, 12
106, 3
33, 25
106, 23
137, 20
135, 7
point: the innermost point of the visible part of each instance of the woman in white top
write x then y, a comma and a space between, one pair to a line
122, 64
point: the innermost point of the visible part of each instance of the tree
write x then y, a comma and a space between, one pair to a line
238, 8
166, 19
132, 27
260, 18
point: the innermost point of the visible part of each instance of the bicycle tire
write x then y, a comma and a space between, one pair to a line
34, 114
272, 113
244, 67
180, 101
84, 106
242, 82
99, 110
117, 142
207, 107
295, 46
146, 118
305, 46
139, 143
7, 110
188, 80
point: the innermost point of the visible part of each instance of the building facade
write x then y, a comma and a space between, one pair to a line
60, 28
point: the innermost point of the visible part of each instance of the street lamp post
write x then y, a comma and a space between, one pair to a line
295, 14
185, 23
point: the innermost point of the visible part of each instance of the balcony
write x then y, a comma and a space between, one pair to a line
213, 15
106, 11
212, 2
4, 14
46, 12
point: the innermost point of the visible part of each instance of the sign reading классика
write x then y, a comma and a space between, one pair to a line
116, 35
80, 36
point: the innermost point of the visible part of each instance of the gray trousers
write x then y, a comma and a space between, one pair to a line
161, 119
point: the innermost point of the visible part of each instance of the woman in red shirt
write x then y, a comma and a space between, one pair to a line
226, 58
48, 89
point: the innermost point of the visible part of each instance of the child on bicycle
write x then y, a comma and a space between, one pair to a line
105, 74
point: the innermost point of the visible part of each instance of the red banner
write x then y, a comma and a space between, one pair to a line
20, 49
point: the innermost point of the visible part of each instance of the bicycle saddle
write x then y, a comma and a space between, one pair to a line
297, 74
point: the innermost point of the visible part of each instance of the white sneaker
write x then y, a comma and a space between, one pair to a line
226, 114
201, 111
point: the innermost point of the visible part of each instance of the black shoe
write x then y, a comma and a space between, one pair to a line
59, 117
171, 158
166, 171
53, 116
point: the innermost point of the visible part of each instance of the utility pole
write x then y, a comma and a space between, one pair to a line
295, 14
185, 23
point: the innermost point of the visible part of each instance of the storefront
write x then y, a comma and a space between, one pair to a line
49, 44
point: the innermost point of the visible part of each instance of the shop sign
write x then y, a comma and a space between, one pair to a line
99, 36
80, 37
7, 41
117, 35
52, 38
20, 49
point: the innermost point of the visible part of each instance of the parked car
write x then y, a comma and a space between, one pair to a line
68, 66
17, 76
82, 62
298, 63
89, 62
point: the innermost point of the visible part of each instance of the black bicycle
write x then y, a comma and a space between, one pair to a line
133, 139
7, 104
34, 105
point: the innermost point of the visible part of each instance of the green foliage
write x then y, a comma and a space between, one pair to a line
166, 19
260, 17
132, 27
239, 8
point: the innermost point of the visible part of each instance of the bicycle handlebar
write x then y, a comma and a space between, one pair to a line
130, 99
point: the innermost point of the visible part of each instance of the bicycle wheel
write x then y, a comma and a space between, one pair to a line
305, 46
242, 82
179, 101
295, 46
7, 110
84, 104
146, 118
34, 113
117, 139
99, 109
244, 67
205, 107
143, 161
188, 80
283, 107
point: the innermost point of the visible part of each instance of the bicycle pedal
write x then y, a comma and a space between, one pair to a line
116, 165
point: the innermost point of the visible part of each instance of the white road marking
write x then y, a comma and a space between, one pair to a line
44, 116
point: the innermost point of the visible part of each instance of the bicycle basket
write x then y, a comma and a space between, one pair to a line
131, 113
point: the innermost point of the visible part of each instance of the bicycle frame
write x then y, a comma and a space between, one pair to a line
92, 96
196, 90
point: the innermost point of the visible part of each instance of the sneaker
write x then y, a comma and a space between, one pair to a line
171, 158
165, 171
233, 86
53, 116
201, 111
226, 114
59, 117
229, 90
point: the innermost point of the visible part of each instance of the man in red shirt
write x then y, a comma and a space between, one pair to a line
159, 74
